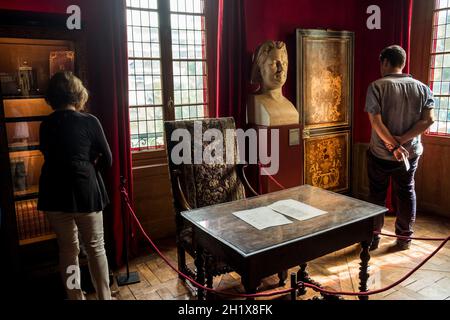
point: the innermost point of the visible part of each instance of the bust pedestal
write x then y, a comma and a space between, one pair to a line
290, 158
263, 112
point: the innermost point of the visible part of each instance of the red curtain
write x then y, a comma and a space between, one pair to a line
402, 30
396, 28
108, 84
226, 47
404, 10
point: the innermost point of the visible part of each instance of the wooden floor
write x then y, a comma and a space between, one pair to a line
337, 271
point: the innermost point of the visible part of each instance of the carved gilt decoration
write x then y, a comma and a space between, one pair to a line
326, 162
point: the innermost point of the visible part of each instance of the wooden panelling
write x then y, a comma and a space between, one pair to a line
432, 179
433, 176
432, 182
360, 188
152, 193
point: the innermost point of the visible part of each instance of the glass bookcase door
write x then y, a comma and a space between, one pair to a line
23, 119
25, 69
26, 108
23, 135
25, 170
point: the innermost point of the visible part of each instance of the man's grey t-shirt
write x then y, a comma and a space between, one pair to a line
400, 100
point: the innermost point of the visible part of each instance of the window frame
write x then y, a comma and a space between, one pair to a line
167, 74
428, 136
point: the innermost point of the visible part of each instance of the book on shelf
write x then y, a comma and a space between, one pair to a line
40, 222
29, 219
26, 221
31, 222
34, 232
20, 220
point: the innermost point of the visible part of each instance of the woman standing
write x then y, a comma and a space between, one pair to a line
71, 190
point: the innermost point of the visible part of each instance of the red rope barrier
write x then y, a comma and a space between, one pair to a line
408, 238
195, 283
299, 284
261, 168
375, 232
368, 293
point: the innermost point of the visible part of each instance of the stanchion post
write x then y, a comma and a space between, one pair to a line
294, 286
128, 277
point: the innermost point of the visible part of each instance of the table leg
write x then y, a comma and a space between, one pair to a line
250, 286
200, 265
282, 276
364, 269
209, 265
303, 276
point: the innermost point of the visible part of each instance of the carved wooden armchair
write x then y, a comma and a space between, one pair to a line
199, 185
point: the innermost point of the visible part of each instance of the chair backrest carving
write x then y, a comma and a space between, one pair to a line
207, 183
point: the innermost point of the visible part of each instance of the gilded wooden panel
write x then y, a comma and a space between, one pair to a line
325, 79
327, 161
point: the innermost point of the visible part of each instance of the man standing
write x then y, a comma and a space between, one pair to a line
400, 109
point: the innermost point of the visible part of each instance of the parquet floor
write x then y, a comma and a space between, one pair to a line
337, 271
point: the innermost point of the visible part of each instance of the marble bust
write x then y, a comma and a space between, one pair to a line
268, 107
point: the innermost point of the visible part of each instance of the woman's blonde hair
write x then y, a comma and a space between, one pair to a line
261, 55
66, 89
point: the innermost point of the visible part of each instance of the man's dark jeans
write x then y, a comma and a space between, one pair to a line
403, 187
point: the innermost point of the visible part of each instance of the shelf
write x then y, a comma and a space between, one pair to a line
25, 119
24, 108
28, 194
37, 239
26, 153
23, 97
31, 189
26, 147
32, 224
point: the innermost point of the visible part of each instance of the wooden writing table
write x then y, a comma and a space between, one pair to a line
255, 254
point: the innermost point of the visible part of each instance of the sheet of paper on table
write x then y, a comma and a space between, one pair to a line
262, 218
296, 209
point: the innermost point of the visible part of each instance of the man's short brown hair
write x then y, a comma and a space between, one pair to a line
66, 89
395, 55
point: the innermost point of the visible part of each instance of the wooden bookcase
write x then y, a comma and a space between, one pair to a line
26, 42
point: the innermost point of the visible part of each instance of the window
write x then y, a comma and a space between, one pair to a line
440, 67
167, 70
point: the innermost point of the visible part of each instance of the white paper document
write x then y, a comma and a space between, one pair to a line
262, 218
296, 209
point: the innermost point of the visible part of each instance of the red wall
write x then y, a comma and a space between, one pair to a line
269, 19
49, 6
277, 20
